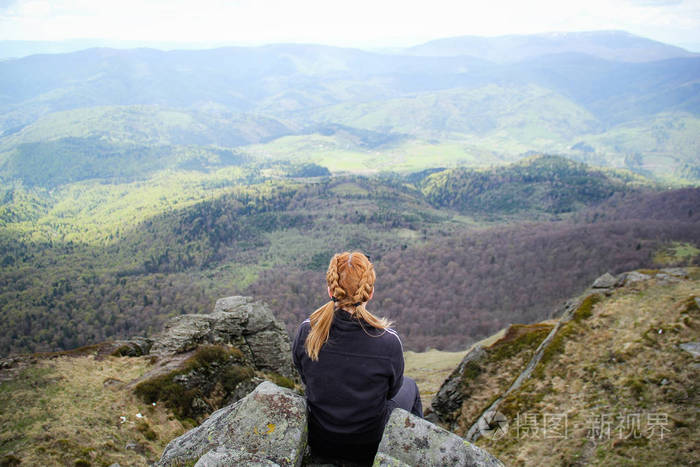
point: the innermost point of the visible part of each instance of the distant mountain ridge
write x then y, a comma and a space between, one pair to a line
567, 93
608, 45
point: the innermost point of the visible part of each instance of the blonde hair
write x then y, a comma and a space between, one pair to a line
350, 279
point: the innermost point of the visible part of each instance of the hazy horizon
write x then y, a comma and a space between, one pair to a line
366, 25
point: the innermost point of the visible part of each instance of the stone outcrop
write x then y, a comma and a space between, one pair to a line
215, 358
269, 428
448, 400
242, 322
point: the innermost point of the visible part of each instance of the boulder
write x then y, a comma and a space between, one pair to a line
634, 276
134, 347
267, 427
606, 281
412, 441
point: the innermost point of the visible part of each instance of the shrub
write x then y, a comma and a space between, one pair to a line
216, 363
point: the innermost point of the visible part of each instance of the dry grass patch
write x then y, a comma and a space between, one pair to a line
66, 411
429, 370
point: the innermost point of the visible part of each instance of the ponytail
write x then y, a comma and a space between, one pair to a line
320, 320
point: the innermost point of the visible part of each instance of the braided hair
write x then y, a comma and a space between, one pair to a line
350, 278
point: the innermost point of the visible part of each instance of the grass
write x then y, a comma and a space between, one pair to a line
677, 253
429, 370
66, 411
602, 364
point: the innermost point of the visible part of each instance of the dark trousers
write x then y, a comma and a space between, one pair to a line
330, 446
408, 398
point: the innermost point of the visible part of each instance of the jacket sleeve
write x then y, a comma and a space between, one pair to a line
397, 364
298, 348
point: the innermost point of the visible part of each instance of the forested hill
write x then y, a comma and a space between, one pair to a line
92, 261
137, 184
546, 183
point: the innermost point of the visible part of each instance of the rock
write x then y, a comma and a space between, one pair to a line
222, 457
269, 428
634, 276
242, 322
412, 441
681, 273
269, 423
134, 347
214, 357
448, 400
692, 348
606, 281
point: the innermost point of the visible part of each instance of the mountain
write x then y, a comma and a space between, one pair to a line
608, 45
280, 101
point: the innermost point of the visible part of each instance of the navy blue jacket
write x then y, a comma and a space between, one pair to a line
358, 370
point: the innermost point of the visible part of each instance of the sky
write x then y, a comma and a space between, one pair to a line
360, 23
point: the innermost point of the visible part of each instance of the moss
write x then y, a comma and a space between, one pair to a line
649, 272
232, 376
164, 389
518, 337
280, 380
585, 309
216, 360
555, 347
471, 371
207, 356
523, 400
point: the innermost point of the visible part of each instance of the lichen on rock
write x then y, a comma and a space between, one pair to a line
269, 423
412, 441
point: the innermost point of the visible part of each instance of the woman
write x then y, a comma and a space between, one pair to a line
352, 365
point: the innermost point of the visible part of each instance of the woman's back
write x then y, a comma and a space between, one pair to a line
351, 363
358, 369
